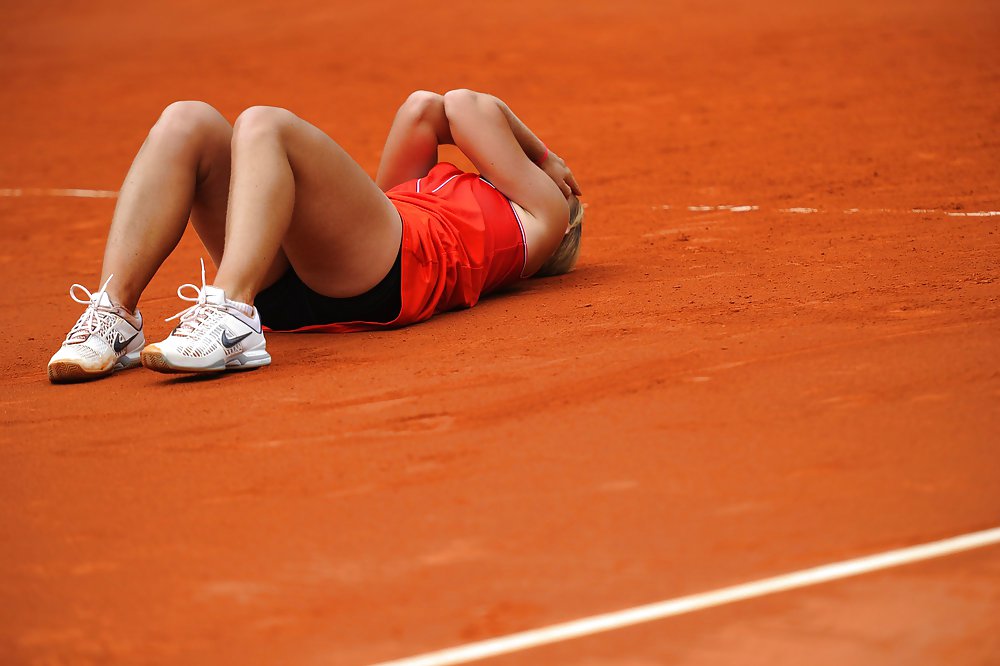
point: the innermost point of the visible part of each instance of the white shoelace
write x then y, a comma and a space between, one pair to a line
90, 322
196, 314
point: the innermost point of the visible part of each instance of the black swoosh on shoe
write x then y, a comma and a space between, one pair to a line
121, 343
228, 342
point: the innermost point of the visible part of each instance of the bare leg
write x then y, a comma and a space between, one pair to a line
294, 189
182, 170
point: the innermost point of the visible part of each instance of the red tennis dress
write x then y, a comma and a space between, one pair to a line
461, 239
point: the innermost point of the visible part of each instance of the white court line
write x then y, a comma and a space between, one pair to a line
50, 192
978, 213
727, 595
729, 207
749, 208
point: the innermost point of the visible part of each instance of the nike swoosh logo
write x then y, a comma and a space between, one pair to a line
121, 343
228, 342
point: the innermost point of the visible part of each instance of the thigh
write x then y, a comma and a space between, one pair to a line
211, 196
345, 234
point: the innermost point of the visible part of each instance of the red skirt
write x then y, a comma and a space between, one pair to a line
461, 239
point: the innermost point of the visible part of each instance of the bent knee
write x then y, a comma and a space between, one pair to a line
258, 121
188, 120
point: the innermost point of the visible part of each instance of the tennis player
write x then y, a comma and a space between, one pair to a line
306, 241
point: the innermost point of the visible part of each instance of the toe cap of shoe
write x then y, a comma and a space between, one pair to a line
86, 359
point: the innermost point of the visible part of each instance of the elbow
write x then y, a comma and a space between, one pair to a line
423, 105
425, 109
462, 100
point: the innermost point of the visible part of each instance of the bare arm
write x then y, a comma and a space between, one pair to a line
483, 131
530, 144
411, 148
502, 148
421, 125
548, 161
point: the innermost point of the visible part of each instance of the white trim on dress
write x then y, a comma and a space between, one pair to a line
524, 239
445, 183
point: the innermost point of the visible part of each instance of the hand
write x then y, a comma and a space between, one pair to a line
556, 169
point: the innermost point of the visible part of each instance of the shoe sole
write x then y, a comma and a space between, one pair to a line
155, 360
68, 372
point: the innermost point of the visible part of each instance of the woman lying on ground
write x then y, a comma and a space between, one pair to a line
305, 240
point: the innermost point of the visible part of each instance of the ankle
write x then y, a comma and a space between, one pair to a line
240, 295
125, 301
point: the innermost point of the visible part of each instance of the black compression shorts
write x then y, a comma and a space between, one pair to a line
289, 304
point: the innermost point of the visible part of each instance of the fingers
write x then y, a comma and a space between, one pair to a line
571, 179
557, 170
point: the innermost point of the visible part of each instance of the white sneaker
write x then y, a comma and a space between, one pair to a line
214, 334
104, 339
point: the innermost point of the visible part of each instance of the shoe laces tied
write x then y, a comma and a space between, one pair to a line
90, 322
196, 314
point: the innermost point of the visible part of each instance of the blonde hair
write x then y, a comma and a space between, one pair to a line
564, 258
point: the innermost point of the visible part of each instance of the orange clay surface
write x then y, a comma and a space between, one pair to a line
712, 397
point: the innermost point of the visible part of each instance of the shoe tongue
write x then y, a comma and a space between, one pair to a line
103, 300
214, 295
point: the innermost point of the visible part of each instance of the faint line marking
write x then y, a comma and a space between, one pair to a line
803, 210
978, 213
51, 192
742, 208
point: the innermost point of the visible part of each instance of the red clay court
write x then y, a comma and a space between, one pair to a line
779, 350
